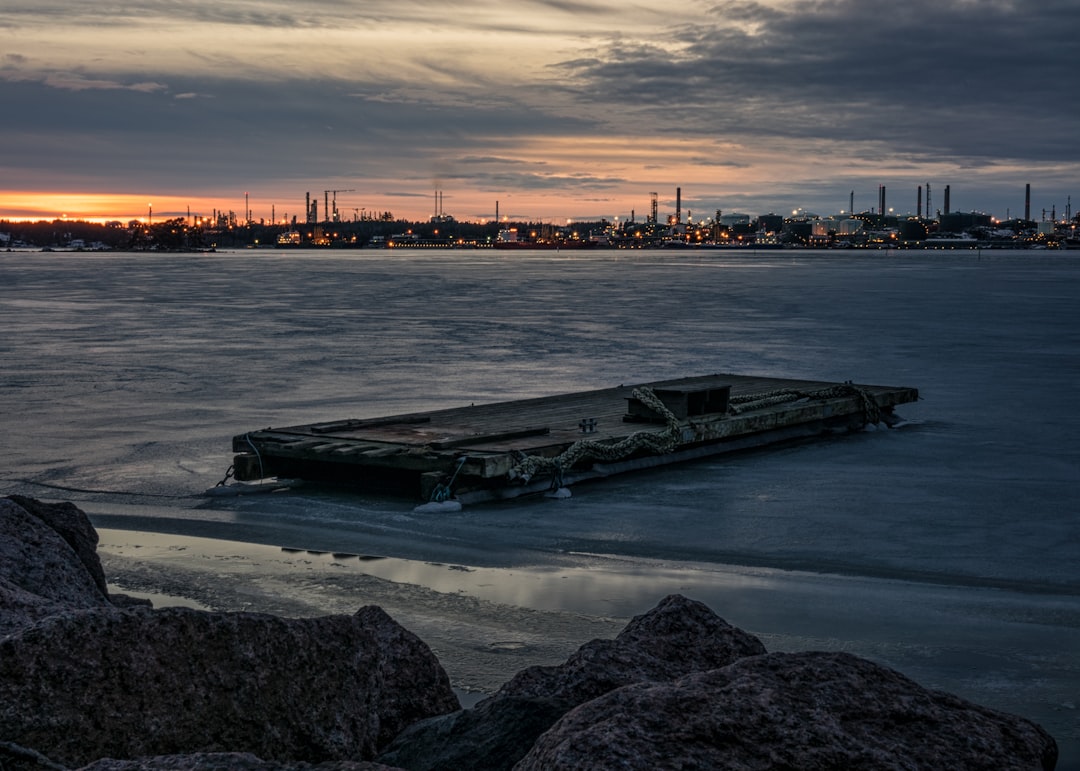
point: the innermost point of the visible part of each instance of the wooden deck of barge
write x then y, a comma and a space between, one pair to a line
506, 449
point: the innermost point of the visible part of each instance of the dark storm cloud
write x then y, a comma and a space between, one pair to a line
977, 78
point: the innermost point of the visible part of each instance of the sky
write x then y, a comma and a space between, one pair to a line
543, 109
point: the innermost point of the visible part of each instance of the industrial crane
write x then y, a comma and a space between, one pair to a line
326, 204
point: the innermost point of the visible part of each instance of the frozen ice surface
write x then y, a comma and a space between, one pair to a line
948, 548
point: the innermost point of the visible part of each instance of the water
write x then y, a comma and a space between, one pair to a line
948, 548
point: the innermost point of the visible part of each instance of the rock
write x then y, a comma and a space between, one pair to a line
14, 757
86, 678
126, 683
492, 735
675, 638
227, 761
70, 523
778, 711
41, 573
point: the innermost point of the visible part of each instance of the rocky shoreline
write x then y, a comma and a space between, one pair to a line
93, 680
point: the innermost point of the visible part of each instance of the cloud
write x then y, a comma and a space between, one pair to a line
602, 100
76, 82
488, 160
976, 78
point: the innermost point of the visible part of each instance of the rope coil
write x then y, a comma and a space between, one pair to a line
870, 409
655, 441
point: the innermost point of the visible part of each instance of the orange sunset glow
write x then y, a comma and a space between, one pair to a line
93, 207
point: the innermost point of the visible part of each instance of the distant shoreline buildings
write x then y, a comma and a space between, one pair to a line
879, 228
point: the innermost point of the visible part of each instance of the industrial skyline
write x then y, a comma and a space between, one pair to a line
330, 210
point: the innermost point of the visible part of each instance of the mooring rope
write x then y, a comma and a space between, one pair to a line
667, 440
444, 490
870, 409
231, 469
655, 441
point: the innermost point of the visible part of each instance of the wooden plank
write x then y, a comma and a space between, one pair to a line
487, 438
354, 423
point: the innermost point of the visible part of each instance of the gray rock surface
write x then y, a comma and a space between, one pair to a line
134, 682
676, 637
70, 523
41, 573
804, 711
15, 757
227, 761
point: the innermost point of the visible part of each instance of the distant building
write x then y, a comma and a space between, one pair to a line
771, 223
839, 227
958, 222
731, 220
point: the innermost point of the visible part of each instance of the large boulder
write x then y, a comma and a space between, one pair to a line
135, 682
675, 638
45, 565
781, 711
70, 523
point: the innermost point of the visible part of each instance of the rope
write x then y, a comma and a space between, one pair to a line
654, 441
870, 409
667, 440
444, 490
229, 471
262, 471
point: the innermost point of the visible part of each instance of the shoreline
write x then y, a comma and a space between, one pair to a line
487, 624
481, 643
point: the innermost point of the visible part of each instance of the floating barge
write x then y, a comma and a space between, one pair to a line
507, 449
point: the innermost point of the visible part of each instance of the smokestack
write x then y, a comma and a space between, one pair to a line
851, 203
678, 206
496, 211
881, 201
918, 208
947, 205
1027, 202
